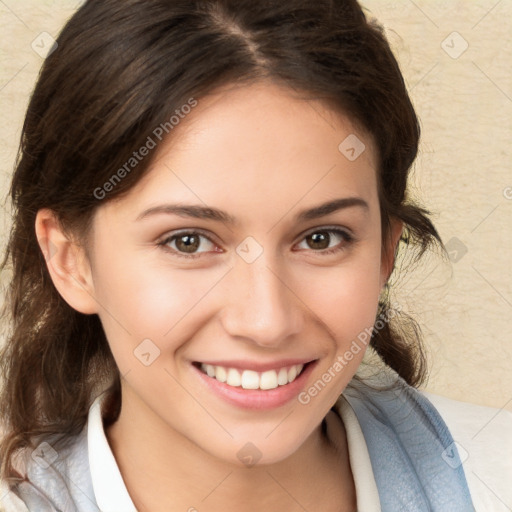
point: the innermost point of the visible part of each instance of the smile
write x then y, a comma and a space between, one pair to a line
255, 385
250, 379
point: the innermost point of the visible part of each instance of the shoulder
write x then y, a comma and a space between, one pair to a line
55, 474
442, 438
483, 438
406, 438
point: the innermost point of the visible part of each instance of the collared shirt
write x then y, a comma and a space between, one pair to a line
112, 495
483, 436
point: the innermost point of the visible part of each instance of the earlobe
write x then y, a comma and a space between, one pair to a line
67, 263
389, 251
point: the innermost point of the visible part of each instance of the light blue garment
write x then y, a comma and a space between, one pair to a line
416, 465
415, 462
65, 485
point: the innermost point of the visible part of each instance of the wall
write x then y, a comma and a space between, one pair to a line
456, 58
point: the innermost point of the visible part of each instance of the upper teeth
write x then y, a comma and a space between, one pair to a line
249, 379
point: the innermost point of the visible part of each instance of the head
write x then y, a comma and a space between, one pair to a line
245, 107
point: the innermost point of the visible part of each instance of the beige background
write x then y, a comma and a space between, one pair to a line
464, 100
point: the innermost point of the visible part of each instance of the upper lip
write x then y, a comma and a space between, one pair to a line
257, 366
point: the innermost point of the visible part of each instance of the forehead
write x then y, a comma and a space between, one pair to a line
262, 147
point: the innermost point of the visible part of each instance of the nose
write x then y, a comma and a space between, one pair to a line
262, 307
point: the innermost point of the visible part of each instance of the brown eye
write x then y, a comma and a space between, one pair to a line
187, 243
319, 240
324, 241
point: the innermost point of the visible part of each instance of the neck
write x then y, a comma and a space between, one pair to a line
161, 467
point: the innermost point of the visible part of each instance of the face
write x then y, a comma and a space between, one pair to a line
223, 263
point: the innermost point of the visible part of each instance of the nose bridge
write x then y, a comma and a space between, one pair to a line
261, 306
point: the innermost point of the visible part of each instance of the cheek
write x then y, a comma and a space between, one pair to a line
345, 298
144, 297
141, 299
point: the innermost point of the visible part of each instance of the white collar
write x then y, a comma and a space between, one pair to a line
112, 495
367, 494
107, 482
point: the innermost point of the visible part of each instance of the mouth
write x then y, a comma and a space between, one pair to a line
251, 379
249, 388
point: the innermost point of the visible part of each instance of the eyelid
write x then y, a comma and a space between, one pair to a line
171, 236
345, 233
348, 232
187, 231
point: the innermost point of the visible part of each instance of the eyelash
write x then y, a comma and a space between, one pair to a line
347, 237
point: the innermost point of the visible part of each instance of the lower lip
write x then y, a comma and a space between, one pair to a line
257, 398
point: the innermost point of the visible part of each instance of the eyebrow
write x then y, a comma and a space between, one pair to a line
209, 213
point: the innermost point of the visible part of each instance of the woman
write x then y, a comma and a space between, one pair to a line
209, 200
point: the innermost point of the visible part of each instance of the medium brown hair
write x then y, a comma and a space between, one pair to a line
122, 68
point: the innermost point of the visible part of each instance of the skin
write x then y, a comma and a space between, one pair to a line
262, 155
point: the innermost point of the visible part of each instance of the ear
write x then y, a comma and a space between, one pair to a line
67, 263
389, 250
